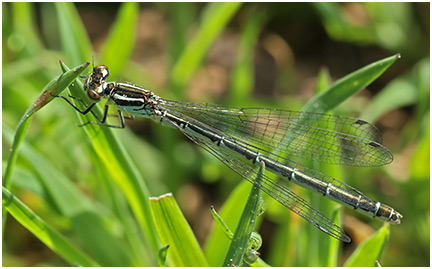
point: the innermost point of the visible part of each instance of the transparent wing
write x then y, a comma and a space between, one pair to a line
274, 189
241, 143
315, 136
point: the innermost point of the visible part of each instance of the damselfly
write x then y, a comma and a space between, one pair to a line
242, 138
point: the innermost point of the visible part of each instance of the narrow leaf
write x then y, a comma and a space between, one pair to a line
119, 44
173, 230
344, 88
243, 232
348, 86
217, 242
55, 87
50, 237
74, 39
85, 218
398, 93
333, 248
370, 250
243, 73
120, 167
25, 26
215, 18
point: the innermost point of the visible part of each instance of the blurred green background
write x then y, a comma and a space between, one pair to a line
256, 55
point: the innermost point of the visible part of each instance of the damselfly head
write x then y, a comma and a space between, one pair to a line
95, 83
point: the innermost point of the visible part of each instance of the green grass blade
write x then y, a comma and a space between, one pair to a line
332, 17
50, 237
120, 167
106, 252
55, 86
222, 225
323, 80
182, 16
333, 244
215, 18
74, 39
245, 227
313, 241
173, 230
86, 219
403, 91
243, 73
370, 250
25, 28
120, 42
348, 86
421, 156
217, 243
398, 93
344, 88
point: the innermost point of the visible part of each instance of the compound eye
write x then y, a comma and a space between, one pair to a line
93, 95
101, 70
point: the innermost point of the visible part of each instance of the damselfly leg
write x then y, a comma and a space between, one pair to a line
88, 108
